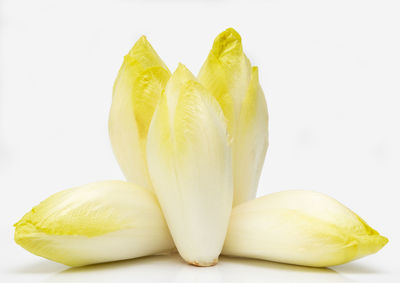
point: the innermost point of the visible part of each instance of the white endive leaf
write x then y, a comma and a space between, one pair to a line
189, 159
300, 227
98, 222
137, 91
228, 75
251, 141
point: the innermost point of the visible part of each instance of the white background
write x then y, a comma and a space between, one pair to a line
331, 74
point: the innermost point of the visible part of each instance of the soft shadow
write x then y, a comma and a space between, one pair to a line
276, 265
113, 265
151, 268
243, 269
356, 268
40, 267
171, 268
190, 273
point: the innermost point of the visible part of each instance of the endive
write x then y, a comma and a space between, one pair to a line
98, 222
189, 159
90, 224
229, 76
300, 227
137, 91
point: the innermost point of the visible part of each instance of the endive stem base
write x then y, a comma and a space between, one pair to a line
203, 263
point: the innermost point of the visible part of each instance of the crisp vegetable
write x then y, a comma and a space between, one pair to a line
300, 227
98, 222
229, 76
189, 157
137, 91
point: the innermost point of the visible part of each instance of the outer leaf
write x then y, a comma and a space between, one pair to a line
228, 75
300, 227
137, 91
251, 141
98, 222
189, 159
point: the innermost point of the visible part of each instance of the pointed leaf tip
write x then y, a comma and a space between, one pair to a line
254, 74
226, 42
142, 41
94, 223
180, 77
300, 227
182, 69
191, 168
137, 88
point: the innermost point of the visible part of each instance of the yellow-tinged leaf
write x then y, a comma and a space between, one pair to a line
189, 157
146, 94
251, 141
300, 227
137, 91
228, 75
98, 222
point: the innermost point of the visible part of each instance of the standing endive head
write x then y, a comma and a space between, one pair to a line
97, 222
189, 158
229, 76
137, 91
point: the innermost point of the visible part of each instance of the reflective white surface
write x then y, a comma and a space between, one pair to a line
330, 71
173, 269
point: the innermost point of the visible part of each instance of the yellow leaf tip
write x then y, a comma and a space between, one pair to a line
370, 244
255, 72
382, 241
182, 67
227, 41
232, 33
141, 44
142, 40
183, 72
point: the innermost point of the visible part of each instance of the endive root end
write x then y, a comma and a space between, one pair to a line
203, 263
